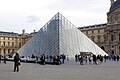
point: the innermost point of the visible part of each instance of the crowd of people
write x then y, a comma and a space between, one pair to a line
55, 59
51, 59
83, 59
94, 59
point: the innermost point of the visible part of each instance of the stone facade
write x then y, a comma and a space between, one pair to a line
113, 30
96, 33
109, 38
11, 42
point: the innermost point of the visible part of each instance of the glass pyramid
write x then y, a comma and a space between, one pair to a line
59, 36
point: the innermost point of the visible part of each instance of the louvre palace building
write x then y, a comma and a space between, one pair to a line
10, 42
106, 36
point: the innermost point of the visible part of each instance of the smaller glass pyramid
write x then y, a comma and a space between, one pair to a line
59, 36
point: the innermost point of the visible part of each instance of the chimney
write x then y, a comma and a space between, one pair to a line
23, 31
112, 1
34, 31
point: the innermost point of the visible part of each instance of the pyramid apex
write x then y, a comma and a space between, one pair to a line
58, 13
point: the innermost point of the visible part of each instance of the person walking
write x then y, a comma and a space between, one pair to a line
0, 58
16, 62
90, 60
76, 58
4, 58
63, 58
94, 59
42, 59
117, 57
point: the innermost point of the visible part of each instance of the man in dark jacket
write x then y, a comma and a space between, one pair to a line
4, 58
0, 58
16, 62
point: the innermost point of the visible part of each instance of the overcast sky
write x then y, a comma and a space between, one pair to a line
30, 15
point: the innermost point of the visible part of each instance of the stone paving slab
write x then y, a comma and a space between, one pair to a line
68, 71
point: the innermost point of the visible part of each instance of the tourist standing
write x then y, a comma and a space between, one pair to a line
54, 59
42, 59
105, 57
94, 59
86, 58
67, 58
58, 60
63, 58
81, 60
51, 58
0, 58
16, 62
90, 60
117, 57
4, 58
76, 57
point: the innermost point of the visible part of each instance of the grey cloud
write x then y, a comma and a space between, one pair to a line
33, 18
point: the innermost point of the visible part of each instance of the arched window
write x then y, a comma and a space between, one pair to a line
4, 50
112, 52
8, 43
99, 38
8, 50
112, 37
93, 38
0, 50
0, 43
13, 50
105, 38
4, 43
20, 44
12, 43
119, 50
119, 36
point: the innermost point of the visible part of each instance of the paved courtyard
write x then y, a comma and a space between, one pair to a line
68, 71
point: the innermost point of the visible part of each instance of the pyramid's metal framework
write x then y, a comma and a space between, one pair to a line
59, 36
